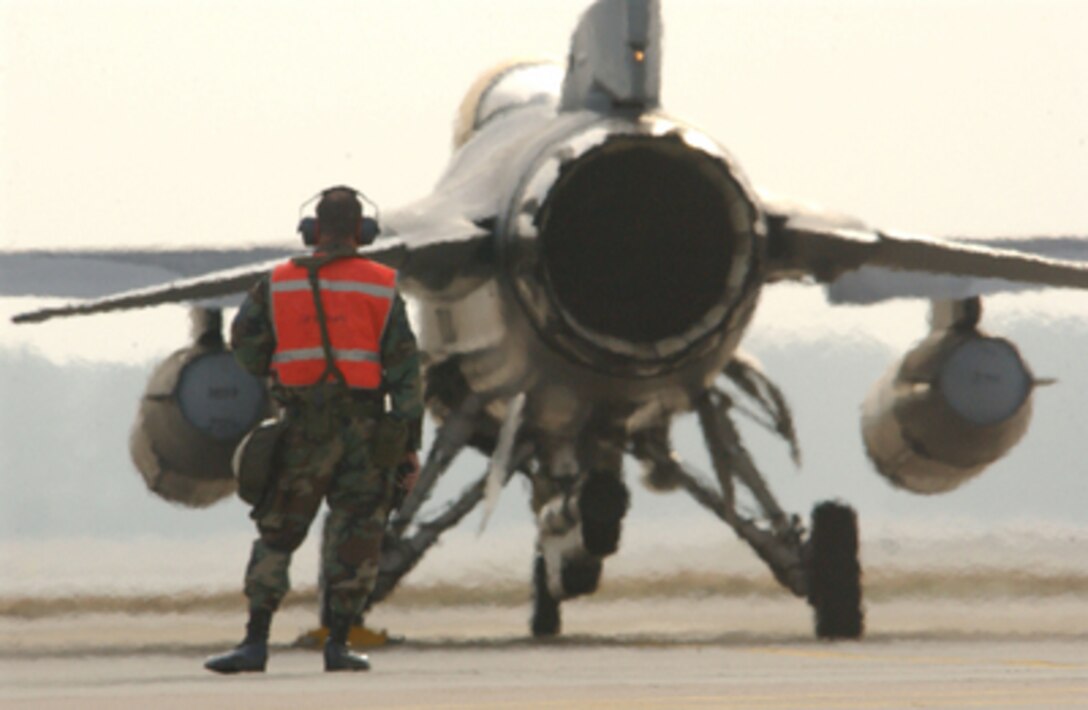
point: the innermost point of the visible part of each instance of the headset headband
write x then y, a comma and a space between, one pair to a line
358, 193
307, 226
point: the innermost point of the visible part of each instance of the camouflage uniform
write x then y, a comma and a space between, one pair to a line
326, 455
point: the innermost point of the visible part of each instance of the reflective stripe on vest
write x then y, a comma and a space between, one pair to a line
356, 295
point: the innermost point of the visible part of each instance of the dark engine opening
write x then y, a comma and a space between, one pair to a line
636, 238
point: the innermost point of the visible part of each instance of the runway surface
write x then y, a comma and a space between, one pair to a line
676, 653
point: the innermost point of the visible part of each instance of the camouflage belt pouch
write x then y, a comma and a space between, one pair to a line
253, 459
390, 442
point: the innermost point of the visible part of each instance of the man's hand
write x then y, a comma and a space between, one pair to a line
409, 472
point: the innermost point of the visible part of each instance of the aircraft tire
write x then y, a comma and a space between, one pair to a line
545, 620
581, 578
835, 572
603, 502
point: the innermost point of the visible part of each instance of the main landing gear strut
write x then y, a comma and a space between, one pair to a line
821, 564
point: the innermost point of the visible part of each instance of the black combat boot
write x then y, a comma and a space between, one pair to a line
251, 655
338, 657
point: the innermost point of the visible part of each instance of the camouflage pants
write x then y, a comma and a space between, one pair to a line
325, 455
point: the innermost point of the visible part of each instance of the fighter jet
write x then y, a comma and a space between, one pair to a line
583, 274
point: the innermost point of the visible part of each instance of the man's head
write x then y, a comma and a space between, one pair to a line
339, 216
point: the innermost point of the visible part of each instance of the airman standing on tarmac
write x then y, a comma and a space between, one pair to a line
332, 333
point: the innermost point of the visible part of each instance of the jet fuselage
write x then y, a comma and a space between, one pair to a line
627, 256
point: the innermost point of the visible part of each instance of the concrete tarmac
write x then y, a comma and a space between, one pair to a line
677, 653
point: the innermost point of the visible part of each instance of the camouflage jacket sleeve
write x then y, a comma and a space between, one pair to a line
252, 336
402, 380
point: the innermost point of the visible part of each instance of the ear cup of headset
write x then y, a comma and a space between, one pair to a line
307, 227
370, 231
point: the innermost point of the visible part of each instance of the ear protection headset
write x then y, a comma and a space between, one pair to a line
310, 228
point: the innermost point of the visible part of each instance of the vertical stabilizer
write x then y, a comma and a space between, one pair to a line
615, 58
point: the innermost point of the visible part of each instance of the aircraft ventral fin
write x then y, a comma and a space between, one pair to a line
861, 265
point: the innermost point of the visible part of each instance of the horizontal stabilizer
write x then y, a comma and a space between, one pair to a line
871, 284
214, 285
866, 266
99, 272
404, 252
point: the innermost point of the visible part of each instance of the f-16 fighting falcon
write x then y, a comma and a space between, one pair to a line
584, 273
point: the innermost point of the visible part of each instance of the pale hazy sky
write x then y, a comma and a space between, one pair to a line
208, 122
150, 122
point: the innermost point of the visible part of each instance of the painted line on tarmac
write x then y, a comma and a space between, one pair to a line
920, 660
863, 699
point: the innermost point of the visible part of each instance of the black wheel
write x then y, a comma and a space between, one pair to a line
603, 502
835, 573
581, 578
545, 619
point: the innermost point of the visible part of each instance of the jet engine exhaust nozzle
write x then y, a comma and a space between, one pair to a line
642, 245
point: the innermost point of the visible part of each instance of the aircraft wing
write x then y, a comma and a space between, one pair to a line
444, 242
861, 265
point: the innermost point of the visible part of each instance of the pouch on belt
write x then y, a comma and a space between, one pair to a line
253, 459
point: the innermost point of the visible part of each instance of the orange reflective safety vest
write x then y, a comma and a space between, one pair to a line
357, 296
